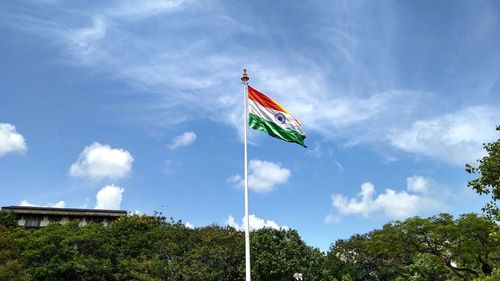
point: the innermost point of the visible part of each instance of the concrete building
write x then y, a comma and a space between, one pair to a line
42, 216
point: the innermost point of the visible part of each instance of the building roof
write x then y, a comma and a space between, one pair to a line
64, 211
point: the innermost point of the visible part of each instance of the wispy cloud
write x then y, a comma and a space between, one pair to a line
353, 95
85, 43
142, 9
456, 138
333, 113
185, 139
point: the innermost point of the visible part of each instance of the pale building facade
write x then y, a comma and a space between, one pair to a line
28, 216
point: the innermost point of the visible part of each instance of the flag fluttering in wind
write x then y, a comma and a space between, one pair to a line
268, 116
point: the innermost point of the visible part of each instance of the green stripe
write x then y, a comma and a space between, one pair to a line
261, 124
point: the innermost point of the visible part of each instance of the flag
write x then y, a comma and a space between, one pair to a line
268, 116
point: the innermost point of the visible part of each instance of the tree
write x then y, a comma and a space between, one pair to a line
489, 177
426, 267
378, 255
435, 248
495, 276
278, 254
66, 252
465, 246
143, 248
215, 254
356, 261
7, 220
10, 266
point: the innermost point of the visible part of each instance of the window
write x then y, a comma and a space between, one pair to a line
55, 218
94, 220
33, 221
76, 218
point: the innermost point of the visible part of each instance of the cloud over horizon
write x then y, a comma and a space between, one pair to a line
109, 197
60, 204
255, 223
391, 204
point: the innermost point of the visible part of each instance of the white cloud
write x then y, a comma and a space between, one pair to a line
263, 176
392, 204
332, 219
109, 197
455, 138
235, 179
25, 203
232, 223
10, 140
417, 184
186, 139
60, 204
189, 225
255, 223
99, 161
139, 9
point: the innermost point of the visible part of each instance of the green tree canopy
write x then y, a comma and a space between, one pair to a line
438, 247
144, 248
488, 181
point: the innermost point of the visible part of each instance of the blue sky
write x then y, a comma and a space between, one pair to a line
138, 105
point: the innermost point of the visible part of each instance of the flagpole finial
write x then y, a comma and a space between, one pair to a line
244, 77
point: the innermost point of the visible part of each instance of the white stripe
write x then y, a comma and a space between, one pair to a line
270, 115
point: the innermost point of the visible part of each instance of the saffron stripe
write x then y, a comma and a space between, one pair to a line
264, 100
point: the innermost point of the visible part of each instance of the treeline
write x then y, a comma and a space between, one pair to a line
154, 248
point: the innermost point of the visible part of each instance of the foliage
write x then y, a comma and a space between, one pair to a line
153, 248
278, 254
7, 220
426, 267
435, 248
495, 276
489, 180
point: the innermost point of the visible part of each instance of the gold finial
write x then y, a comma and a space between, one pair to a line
244, 77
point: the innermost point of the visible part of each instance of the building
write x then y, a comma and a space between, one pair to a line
42, 216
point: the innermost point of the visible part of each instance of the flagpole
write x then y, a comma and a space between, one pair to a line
244, 79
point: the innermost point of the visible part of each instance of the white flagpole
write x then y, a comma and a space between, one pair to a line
245, 79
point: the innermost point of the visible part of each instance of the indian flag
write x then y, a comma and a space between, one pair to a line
268, 116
